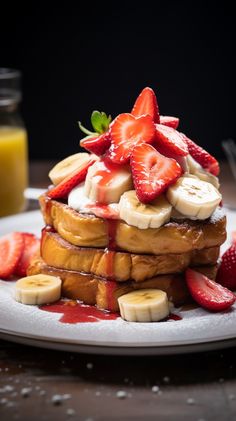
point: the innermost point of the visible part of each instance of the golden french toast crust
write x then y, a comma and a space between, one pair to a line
57, 252
173, 237
93, 290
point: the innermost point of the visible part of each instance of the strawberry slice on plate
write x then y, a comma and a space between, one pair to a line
169, 121
170, 141
207, 161
97, 144
152, 172
11, 248
31, 247
207, 293
226, 274
127, 131
146, 103
62, 189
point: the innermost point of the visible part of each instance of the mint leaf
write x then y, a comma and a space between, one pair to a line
100, 121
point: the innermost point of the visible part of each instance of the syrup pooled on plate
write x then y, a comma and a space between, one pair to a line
75, 312
173, 317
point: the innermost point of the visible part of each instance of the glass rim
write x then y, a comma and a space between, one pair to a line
8, 73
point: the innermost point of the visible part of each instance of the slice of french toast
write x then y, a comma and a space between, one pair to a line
104, 293
122, 266
177, 236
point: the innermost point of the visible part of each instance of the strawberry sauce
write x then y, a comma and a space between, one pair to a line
106, 175
110, 290
74, 312
110, 257
103, 211
174, 317
110, 262
112, 227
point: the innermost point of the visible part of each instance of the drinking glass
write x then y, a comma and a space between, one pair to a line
13, 145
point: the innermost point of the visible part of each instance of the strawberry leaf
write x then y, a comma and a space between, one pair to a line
100, 121
84, 130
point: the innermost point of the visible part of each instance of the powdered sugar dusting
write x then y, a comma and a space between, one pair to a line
217, 215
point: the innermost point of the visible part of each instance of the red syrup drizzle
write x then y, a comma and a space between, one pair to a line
111, 284
112, 228
106, 174
103, 211
174, 317
110, 258
74, 312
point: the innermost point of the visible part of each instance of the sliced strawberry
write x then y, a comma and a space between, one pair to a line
226, 274
152, 172
182, 160
127, 131
146, 103
207, 293
62, 189
97, 144
207, 161
170, 141
169, 121
11, 248
31, 247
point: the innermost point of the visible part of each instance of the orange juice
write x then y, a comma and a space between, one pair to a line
13, 169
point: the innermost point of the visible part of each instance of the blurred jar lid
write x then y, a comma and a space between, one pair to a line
10, 86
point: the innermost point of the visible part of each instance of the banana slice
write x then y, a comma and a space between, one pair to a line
196, 169
105, 183
66, 167
193, 197
145, 305
143, 216
38, 289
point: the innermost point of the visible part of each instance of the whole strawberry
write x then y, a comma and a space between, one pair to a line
226, 275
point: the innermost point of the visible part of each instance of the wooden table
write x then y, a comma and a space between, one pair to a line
183, 387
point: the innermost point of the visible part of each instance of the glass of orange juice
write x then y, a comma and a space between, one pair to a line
13, 145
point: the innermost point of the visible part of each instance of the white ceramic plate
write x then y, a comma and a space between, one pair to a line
197, 331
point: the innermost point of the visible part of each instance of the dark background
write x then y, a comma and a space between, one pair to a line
100, 58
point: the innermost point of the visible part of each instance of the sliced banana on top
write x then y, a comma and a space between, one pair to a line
143, 216
105, 183
193, 197
144, 305
196, 169
66, 167
38, 289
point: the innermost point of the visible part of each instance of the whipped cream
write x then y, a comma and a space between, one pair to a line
78, 201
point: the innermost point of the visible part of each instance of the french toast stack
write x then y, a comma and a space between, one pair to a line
135, 214
74, 247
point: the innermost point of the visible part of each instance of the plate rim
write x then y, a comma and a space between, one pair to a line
118, 350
